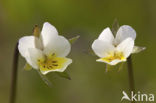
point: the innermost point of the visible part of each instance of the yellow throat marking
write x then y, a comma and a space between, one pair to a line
114, 55
51, 62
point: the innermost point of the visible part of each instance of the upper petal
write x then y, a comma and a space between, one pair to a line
102, 48
124, 32
60, 46
106, 35
126, 47
48, 32
27, 42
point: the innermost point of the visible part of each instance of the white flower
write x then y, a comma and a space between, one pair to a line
114, 50
47, 52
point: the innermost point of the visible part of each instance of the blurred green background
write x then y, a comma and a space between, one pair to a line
87, 18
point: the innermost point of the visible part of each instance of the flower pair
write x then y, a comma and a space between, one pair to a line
48, 51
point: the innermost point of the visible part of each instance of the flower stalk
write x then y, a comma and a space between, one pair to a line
14, 75
130, 76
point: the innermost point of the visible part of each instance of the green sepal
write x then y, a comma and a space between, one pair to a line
118, 67
121, 65
64, 75
115, 27
109, 67
27, 67
137, 49
74, 39
45, 79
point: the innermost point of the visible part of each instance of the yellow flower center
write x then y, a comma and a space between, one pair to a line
51, 62
114, 55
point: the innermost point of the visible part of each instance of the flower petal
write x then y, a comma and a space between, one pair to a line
34, 56
63, 67
60, 46
126, 47
124, 32
106, 35
27, 42
48, 32
114, 62
102, 48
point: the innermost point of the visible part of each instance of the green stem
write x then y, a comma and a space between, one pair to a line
14, 75
130, 76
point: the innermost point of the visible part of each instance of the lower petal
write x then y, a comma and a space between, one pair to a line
113, 62
58, 64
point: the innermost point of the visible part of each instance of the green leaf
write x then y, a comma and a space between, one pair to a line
115, 27
64, 75
74, 39
45, 79
27, 67
138, 49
